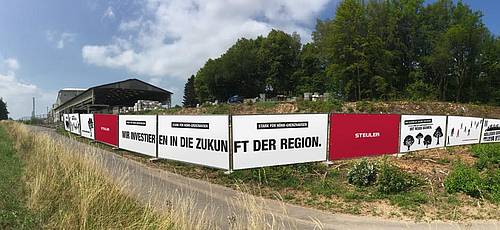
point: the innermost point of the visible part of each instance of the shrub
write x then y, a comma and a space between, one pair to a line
365, 106
363, 173
488, 155
421, 91
492, 185
393, 180
464, 179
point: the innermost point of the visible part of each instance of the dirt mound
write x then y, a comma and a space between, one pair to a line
398, 107
429, 108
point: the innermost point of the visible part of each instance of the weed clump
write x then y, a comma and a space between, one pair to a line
464, 179
388, 178
471, 181
492, 186
393, 180
364, 173
488, 155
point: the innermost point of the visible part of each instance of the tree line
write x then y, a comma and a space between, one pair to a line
370, 50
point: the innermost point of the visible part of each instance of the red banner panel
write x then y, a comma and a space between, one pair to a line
106, 128
360, 135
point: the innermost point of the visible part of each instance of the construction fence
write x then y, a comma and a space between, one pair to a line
234, 142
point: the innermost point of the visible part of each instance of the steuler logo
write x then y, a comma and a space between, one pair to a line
366, 135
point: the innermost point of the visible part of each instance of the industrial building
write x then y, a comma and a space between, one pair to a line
65, 94
108, 98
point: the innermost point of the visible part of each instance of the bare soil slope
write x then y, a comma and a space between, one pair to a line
398, 107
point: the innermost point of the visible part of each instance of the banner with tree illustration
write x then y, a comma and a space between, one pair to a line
421, 132
463, 130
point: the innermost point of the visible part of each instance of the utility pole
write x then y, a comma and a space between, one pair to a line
33, 112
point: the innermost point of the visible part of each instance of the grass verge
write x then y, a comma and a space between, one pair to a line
70, 188
67, 191
13, 211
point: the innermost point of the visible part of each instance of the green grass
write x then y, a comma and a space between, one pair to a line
488, 155
410, 200
492, 182
314, 175
13, 212
70, 190
322, 181
468, 180
222, 108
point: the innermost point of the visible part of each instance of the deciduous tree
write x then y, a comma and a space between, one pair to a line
190, 99
4, 113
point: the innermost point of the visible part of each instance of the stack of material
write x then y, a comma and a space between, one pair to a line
144, 105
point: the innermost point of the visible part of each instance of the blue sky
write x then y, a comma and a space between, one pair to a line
53, 44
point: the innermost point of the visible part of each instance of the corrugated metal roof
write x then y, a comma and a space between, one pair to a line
73, 89
117, 92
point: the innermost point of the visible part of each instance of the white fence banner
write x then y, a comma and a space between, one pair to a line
421, 132
202, 140
67, 123
463, 130
87, 125
74, 120
267, 140
137, 133
491, 131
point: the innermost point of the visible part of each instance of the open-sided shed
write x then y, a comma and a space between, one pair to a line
116, 94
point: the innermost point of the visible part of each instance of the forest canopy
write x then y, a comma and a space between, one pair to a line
370, 50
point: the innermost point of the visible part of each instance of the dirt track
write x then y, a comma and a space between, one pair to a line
223, 206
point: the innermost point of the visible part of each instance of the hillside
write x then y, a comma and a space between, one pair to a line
398, 107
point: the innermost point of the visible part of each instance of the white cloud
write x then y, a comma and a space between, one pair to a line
60, 40
18, 94
109, 13
11, 64
175, 38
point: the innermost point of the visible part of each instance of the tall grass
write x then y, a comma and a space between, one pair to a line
68, 188
70, 192
13, 212
253, 214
